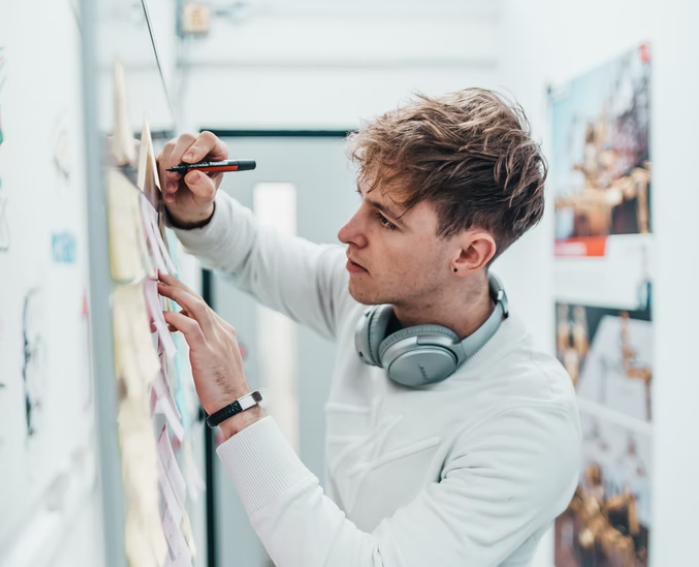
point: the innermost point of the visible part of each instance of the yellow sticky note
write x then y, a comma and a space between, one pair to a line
148, 180
138, 548
137, 359
123, 147
128, 251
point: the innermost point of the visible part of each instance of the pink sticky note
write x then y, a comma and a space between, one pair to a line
147, 212
159, 249
156, 312
153, 401
172, 469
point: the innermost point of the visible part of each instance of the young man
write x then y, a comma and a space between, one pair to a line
440, 452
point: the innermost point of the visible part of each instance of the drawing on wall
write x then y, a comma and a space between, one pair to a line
609, 356
602, 169
607, 523
33, 368
60, 141
63, 247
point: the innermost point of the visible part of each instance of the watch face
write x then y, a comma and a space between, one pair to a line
257, 396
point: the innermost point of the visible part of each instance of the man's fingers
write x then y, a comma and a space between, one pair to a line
169, 279
206, 146
201, 185
168, 179
196, 308
182, 145
188, 327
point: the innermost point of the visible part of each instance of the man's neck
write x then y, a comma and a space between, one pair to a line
463, 311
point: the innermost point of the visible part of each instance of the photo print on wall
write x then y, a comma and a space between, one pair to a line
608, 522
608, 354
601, 174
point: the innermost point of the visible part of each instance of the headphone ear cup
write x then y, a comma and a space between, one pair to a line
408, 332
376, 331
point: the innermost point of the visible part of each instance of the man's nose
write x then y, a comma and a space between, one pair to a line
352, 233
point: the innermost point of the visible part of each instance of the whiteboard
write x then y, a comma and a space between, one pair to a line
46, 415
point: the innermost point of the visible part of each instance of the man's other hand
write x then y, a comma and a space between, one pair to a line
190, 198
217, 365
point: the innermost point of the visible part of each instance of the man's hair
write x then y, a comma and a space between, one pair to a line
470, 153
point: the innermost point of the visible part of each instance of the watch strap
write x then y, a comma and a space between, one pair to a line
238, 406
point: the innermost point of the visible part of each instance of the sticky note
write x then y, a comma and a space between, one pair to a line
156, 313
123, 147
173, 534
172, 469
128, 252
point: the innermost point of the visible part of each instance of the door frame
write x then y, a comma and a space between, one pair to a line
207, 294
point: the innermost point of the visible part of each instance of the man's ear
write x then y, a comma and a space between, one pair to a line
477, 248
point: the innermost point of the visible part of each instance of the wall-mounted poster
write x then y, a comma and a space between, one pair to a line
609, 356
601, 173
608, 521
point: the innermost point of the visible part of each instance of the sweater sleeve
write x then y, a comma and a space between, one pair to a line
499, 489
305, 281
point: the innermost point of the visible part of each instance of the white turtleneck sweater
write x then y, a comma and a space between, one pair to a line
469, 472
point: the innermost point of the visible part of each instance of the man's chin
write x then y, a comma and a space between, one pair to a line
364, 295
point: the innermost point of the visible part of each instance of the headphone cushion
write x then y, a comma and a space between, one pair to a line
409, 332
376, 330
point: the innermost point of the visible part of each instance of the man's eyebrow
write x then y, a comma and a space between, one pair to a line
395, 215
385, 209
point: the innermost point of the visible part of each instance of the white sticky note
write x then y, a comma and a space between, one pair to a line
163, 390
173, 534
172, 469
163, 406
169, 495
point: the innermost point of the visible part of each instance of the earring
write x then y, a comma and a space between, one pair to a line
456, 270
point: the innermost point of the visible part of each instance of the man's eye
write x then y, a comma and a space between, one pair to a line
385, 222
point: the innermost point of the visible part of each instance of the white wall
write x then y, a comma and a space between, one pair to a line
548, 41
326, 66
47, 487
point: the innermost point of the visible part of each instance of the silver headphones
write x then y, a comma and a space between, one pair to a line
424, 354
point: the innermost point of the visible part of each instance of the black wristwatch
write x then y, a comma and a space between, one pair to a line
238, 406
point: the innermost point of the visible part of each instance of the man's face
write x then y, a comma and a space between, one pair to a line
392, 258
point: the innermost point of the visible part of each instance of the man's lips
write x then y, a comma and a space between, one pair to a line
355, 268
